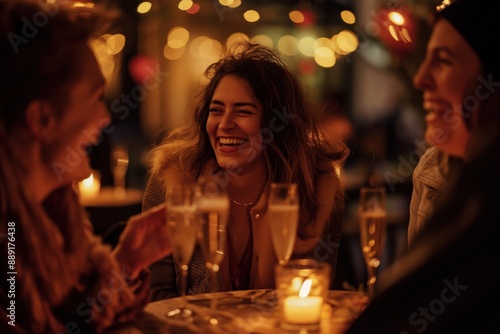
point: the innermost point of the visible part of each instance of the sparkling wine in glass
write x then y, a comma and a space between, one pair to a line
213, 206
119, 162
183, 225
283, 211
373, 229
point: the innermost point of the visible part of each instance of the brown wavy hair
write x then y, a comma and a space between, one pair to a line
295, 149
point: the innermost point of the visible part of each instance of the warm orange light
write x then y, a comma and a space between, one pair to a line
296, 16
396, 18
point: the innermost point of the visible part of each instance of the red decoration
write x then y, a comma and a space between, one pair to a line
309, 18
141, 67
193, 9
396, 27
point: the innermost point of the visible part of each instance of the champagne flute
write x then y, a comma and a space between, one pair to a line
213, 206
283, 211
183, 225
373, 228
119, 162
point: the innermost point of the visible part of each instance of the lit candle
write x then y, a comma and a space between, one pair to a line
303, 309
90, 186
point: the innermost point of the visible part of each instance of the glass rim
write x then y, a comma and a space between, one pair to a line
304, 264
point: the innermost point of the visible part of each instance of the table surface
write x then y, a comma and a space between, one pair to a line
113, 197
249, 311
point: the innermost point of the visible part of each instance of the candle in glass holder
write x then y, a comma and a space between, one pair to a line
302, 286
302, 310
90, 186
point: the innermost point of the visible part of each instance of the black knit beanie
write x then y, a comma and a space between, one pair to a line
478, 21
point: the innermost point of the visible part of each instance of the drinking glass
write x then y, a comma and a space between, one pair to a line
213, 208
283, 211
119, 163
373, 228
183, 225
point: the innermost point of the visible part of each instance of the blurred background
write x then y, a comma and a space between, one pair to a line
356, 59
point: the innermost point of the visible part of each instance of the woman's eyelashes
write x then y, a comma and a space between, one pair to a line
217, 110
243, 111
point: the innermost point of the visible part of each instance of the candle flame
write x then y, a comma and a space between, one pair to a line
88, 181
305, 288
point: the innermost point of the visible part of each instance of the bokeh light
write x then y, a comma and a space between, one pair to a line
251, 16
396, 18
288, 45
348, 17
144, 7
296, 16
194, 9
236, 38
141, 67
185, 5
347, 41
178, 37
115, 43
324, 57
306, 46
263, 40
173, 53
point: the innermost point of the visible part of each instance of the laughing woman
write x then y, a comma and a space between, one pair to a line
252, 126
56, 276
459, 72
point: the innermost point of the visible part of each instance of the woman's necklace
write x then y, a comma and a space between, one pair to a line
243, 204
251, 203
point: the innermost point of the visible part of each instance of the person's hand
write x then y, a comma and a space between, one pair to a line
144, 241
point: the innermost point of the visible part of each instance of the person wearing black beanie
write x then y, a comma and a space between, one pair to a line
448, 281
461, 70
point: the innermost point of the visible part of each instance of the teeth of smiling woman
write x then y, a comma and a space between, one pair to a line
434, 107
231, 141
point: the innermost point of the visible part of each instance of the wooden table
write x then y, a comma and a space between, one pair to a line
250, 311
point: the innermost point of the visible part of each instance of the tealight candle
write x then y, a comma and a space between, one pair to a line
302, 286
302, 310
90, 186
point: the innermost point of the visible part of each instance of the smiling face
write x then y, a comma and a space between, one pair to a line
234, 124
446, 76
80, 125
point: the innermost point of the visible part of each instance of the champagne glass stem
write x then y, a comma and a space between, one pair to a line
213, 288
372, 279
182, 309
184, 273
